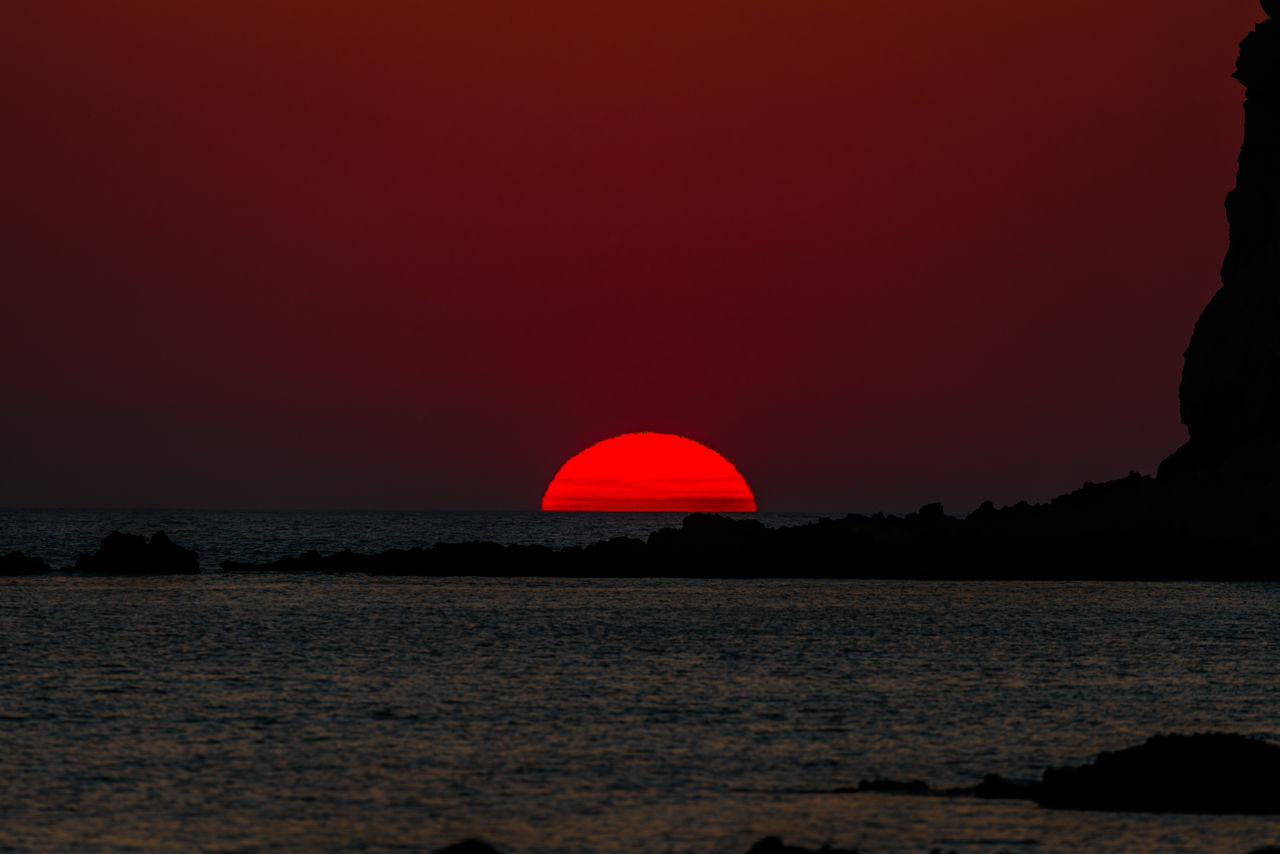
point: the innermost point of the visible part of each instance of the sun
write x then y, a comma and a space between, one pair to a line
649, 471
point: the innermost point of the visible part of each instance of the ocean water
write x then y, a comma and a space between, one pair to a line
227, 712
265, 535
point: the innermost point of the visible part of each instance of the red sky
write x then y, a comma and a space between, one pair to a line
417, 254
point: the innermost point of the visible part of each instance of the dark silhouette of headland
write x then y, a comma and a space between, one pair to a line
1230, 393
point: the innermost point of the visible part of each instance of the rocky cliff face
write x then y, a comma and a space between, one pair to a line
1230, 392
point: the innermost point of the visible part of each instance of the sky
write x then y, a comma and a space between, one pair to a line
417, 255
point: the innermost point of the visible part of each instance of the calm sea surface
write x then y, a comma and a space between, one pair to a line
227, 712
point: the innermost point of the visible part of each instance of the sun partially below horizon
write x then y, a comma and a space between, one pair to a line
649, 472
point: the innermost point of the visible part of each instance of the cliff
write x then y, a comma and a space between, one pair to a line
1230, 392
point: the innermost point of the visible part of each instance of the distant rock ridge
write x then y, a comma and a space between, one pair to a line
1135, 528
1230, 392
1129, 529
119, 554
131, 554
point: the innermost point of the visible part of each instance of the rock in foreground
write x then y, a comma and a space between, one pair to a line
1201, 773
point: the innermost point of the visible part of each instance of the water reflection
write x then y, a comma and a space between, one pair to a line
571, 716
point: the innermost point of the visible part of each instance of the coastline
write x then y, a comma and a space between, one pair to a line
1133, 528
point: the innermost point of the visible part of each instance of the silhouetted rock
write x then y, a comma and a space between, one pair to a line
1202, 773
929, 514
984, 512
1133, 528
1230, 392
16, 563
619, 552
131, 554
467, 846
774, 845
720, 545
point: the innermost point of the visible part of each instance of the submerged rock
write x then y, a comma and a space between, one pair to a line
1201, 773
131, 554
467, 846
774, 845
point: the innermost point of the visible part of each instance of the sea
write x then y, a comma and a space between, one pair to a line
256, 712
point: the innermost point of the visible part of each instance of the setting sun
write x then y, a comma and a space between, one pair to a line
649, 471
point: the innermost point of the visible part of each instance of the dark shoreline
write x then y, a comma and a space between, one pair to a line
1136, 528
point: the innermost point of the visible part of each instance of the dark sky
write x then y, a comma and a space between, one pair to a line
417, 254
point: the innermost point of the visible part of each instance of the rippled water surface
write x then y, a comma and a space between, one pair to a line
245, 713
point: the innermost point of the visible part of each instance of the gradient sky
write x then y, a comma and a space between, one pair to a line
417, 254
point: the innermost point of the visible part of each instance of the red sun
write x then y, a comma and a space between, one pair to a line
649, 471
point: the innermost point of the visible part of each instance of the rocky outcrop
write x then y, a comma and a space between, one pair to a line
1230, 392
1129, 529
1201, 773
16, 563
131, 554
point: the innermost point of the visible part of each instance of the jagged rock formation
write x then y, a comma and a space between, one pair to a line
1132, 529
1230, 392
131, 554
16, 563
